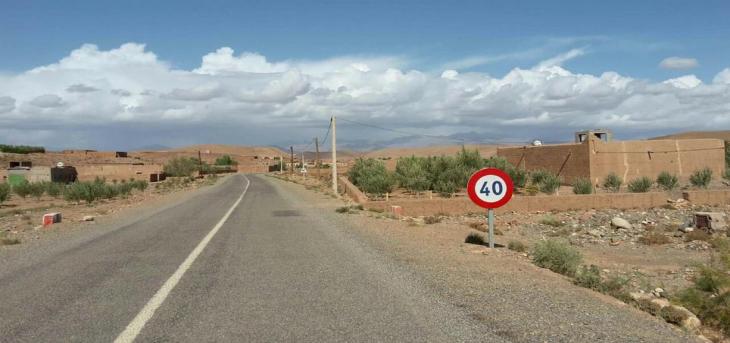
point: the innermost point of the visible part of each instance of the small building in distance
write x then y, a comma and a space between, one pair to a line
595, 155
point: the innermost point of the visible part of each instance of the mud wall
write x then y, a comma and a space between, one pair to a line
117, 172
634, 159
569, 161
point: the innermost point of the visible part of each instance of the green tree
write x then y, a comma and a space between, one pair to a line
181, 166
412, 173
371, 176
225, 160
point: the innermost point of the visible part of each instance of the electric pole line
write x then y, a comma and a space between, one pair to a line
291, 168
316, 148
200, 164
334, 156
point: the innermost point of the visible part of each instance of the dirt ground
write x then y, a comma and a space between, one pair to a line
21, 219
620, 253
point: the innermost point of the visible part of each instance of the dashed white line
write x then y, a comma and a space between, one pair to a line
134, 328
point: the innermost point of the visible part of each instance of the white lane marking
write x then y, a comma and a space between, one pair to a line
134, 328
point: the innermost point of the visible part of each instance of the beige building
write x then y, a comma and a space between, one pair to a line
596, 158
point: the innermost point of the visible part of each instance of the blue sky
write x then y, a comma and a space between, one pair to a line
626, 36
483, 41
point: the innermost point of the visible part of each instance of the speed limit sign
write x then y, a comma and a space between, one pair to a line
490, 188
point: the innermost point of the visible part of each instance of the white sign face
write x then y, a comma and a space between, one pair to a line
491, 188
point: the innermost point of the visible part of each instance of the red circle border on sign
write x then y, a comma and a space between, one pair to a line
489, 171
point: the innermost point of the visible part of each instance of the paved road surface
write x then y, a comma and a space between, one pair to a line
273, 271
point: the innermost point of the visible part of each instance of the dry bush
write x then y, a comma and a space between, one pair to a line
556, 256
517, 246
697, 235
654, 238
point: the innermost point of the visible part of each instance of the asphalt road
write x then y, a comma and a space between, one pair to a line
221, 266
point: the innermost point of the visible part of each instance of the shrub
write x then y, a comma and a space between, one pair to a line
23, 189
648, 306
672, 314
697, 235
371, 176
516, 246
709, 297
412, 173
343, 209
141, 185
21, 149
53, 189
551, 221
588, 277
667, 181
612, 182
432, 219
654, 238
640, 185
181, 166
556, 256
537, 176
701, 178
475, 238
4, 192
37, 189
582, 186
532, 190
550, 183
225, 160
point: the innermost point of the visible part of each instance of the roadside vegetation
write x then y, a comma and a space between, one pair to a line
21, 149
640, 185
225, 160
613, 182
181, 166
77, 191
667, 181
701, 178
582, 186
709, 297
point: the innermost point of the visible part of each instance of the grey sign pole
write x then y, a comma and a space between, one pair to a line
490, 223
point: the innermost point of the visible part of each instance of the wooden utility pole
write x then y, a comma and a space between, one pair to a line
291, 168
334, 156
200, 164
316, 148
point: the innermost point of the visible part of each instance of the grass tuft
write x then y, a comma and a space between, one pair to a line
557, 256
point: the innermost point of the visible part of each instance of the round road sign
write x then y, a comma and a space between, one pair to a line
490, 188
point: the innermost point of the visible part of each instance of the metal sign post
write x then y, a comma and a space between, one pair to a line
490, 224
490, 188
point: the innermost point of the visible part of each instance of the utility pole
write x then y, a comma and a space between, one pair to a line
200, 164
291, 169
316, 161
281, 164
334, 156
304, 176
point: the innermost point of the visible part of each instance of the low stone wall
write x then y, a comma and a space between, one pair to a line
715, 197
346, 187
456, 206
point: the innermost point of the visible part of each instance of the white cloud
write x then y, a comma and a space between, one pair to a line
247, 90
80, 88
558, 61
722, 77
684, 82
47, 101
678, 63
7, 104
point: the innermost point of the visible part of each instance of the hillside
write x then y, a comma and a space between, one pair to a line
394, 153
238, 150
724, 135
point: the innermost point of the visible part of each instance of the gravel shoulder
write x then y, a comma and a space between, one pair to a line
501, 289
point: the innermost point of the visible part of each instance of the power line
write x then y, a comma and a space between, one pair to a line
459, 140
403, 132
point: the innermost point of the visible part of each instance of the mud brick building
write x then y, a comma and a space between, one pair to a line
594, 158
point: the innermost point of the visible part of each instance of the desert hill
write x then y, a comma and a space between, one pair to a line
724, 135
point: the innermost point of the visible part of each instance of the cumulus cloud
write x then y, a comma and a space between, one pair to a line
678, 63
130, 86
7, 104
47, 101
80, 88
